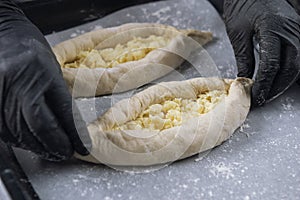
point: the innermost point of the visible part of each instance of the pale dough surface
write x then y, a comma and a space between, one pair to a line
86, 82
150, 147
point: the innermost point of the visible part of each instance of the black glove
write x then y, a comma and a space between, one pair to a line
275, 25
295, 4
35, 105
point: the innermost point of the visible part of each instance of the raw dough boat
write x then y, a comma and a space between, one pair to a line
121, 58
170, 121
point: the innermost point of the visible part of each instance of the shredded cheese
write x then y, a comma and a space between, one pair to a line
174, 112
133, 50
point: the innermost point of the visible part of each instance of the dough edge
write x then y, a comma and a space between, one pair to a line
159, 147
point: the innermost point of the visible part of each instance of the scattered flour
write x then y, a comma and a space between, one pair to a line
73, 35
97, 27
161, 11
221, 170
243, 127
288, 104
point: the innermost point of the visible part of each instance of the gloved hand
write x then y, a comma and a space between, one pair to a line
275, 25
35, 104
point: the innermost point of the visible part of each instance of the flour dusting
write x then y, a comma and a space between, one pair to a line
288, 104
221, 170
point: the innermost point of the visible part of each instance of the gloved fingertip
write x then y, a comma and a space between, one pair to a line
84, 151
84, 146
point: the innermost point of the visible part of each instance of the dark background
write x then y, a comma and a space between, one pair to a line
56, 15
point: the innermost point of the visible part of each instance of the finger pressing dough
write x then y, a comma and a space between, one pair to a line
121, 58
169, 121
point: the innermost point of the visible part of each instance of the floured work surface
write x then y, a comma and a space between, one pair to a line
261, 161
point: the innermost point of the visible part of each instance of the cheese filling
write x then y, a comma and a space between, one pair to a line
174, 112
133, 50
